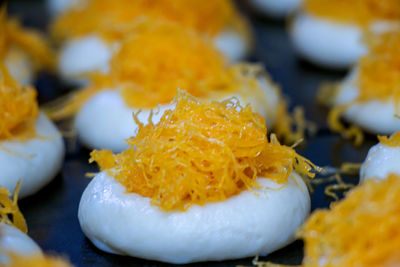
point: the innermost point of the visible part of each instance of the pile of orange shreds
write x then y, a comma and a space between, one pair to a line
31, 42
36, 260
155, 60
18, 107
361, 12
392, 141
379, 77
206, 17
200, 153
9, 211
362, 230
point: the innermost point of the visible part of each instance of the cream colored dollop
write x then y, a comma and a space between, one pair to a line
249, 224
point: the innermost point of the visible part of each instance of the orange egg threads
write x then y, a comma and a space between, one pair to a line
207, 17
392, 141
360, 12
9, 212
36, 260
379, 77
18, 108
200, 153
361, 230
156, 59
29, 41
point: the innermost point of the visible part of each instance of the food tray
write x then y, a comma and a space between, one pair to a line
52, 213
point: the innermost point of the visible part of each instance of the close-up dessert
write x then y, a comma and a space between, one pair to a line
171, 132
190, 181
330, 33
31, 147
90, 45
368, 95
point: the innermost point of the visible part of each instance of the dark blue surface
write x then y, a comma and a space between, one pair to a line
52, 213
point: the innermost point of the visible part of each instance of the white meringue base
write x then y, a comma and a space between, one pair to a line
326, 43
19, 65
35, 161
241, 226
381, 161
12, 240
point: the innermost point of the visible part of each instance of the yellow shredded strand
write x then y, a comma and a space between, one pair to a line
392, 141
361, 230
9, 211
101, 16
12, 34
201, 153
36, 260
18, 108
155, 60
360, 12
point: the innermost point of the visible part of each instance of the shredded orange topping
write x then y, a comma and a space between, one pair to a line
361, 230
9, 211
361, 12
392, 141
18, 107
31, 42
155, 60
96, 16
379, 77
36, 260
200, 153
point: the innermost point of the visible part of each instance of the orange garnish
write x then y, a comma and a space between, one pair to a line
392, 141
361, 230
206, 17
31, 42
361, 12
35, 260
200, 153
9, 211
18, 107
157, 58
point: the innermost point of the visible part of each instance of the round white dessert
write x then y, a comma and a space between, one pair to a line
83, 55
12, 240
105, 121
249, 224
275, 9
325, 43
374, 116
381, 161
35, 161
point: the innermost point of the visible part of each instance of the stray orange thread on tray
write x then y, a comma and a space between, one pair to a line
361, 230
361, 12
200, 153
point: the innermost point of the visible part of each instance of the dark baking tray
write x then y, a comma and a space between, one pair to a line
52, 213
